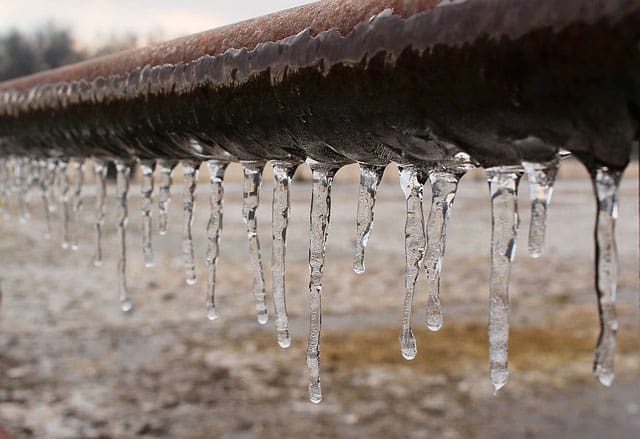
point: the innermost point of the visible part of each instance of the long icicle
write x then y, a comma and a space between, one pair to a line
190, 170
43, 180
122, 185
605, 184
52, 167
214, 228
147, 167
165, 168
250, 199
444, 185
63, 185
503, 184
282, 174
412, 183
370, 176
541, 177
76, 205
100, 169
320, 217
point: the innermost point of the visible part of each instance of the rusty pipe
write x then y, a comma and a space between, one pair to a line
353, 80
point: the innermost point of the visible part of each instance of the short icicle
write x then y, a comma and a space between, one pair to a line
63, 188
190, 172
320, 217
541, 177
250, 199
370, 176
412, 181
76, 204
503, 184
605, 184
100, 169
282, 174
214, 228
165, 168
444, 185
147, 167
122, 188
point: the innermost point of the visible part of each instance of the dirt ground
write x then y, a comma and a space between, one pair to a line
72, 365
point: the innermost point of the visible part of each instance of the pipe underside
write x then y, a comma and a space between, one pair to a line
345, 81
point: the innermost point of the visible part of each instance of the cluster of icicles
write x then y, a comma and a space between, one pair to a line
424, 242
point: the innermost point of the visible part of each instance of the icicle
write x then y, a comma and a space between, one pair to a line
147, 167
214, 228
100, 169
370, 176
122, 184
503, 183
63, 187
76, 205
52, 167
190, 170
3, 186
606, 183
165, 167
412, 182
250, 200
21, 176
541, 177
320, 217
43, 182
444, 185
282, 174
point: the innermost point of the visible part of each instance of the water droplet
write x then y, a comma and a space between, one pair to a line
320, 217
412, 182
503, 184
122, 189
444, 185
541, 177
250, 199
165, 168
606, 183
190, 170
147, 167
214, 228
282, 173
370, 176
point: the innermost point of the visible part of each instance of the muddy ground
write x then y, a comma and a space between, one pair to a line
71, 365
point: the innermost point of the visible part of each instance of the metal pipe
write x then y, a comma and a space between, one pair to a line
353, 80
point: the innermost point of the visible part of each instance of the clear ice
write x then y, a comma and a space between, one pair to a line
282, 174
165, 168
147, 167
412, 183
63, 188
444, 185
250, 199
605, 184
122, 189
214, 228
370, 176
318, 230
44, 182
190, 172
541, 177
76, 204
503, 184
100, 169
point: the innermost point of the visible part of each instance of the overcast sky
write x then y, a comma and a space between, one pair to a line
94, 22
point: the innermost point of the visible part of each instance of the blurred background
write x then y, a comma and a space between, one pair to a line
71, 365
